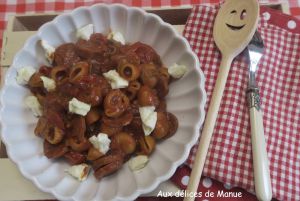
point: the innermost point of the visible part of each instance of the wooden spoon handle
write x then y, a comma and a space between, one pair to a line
208, 128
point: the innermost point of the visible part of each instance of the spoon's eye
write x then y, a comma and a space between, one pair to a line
243, 14
233, 12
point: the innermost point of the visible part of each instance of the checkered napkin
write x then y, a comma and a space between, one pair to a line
229, 159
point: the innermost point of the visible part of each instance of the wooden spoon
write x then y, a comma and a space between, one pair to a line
234, 27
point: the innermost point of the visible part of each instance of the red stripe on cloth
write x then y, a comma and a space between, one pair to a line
40, 6
3, 8
59, 6
8, 8
77, 4
155, 3
295, 12
176, 3
20, 7
137, 3
195, 1
2, 24
71, 5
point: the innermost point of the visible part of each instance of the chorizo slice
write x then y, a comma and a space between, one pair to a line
107, 159
162, 87
54, 151
147, 97
121, 121
93, 154
55, 119
65, 55
108, 169
149, 75
136, 127
78, 127
147, 145
109, 129
74, 158
162, 127
88, 49
173, 124
79, 145
125, 142
93, 116
108, 164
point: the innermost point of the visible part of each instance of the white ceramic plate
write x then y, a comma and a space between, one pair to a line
186, 100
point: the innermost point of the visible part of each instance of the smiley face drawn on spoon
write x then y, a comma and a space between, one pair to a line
242, 16
235, 27
234, 23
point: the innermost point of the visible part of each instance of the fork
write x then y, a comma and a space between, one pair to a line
262, 179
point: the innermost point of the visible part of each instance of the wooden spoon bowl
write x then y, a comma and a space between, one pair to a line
235, 26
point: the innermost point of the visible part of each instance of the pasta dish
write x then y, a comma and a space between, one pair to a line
101, 102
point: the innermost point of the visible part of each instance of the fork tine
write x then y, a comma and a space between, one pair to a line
255, 52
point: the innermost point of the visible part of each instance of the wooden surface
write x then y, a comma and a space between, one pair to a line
13, 186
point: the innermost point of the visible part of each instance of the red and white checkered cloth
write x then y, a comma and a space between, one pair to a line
229, 158
12, 7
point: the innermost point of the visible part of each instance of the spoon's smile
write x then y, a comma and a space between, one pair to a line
235, 27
